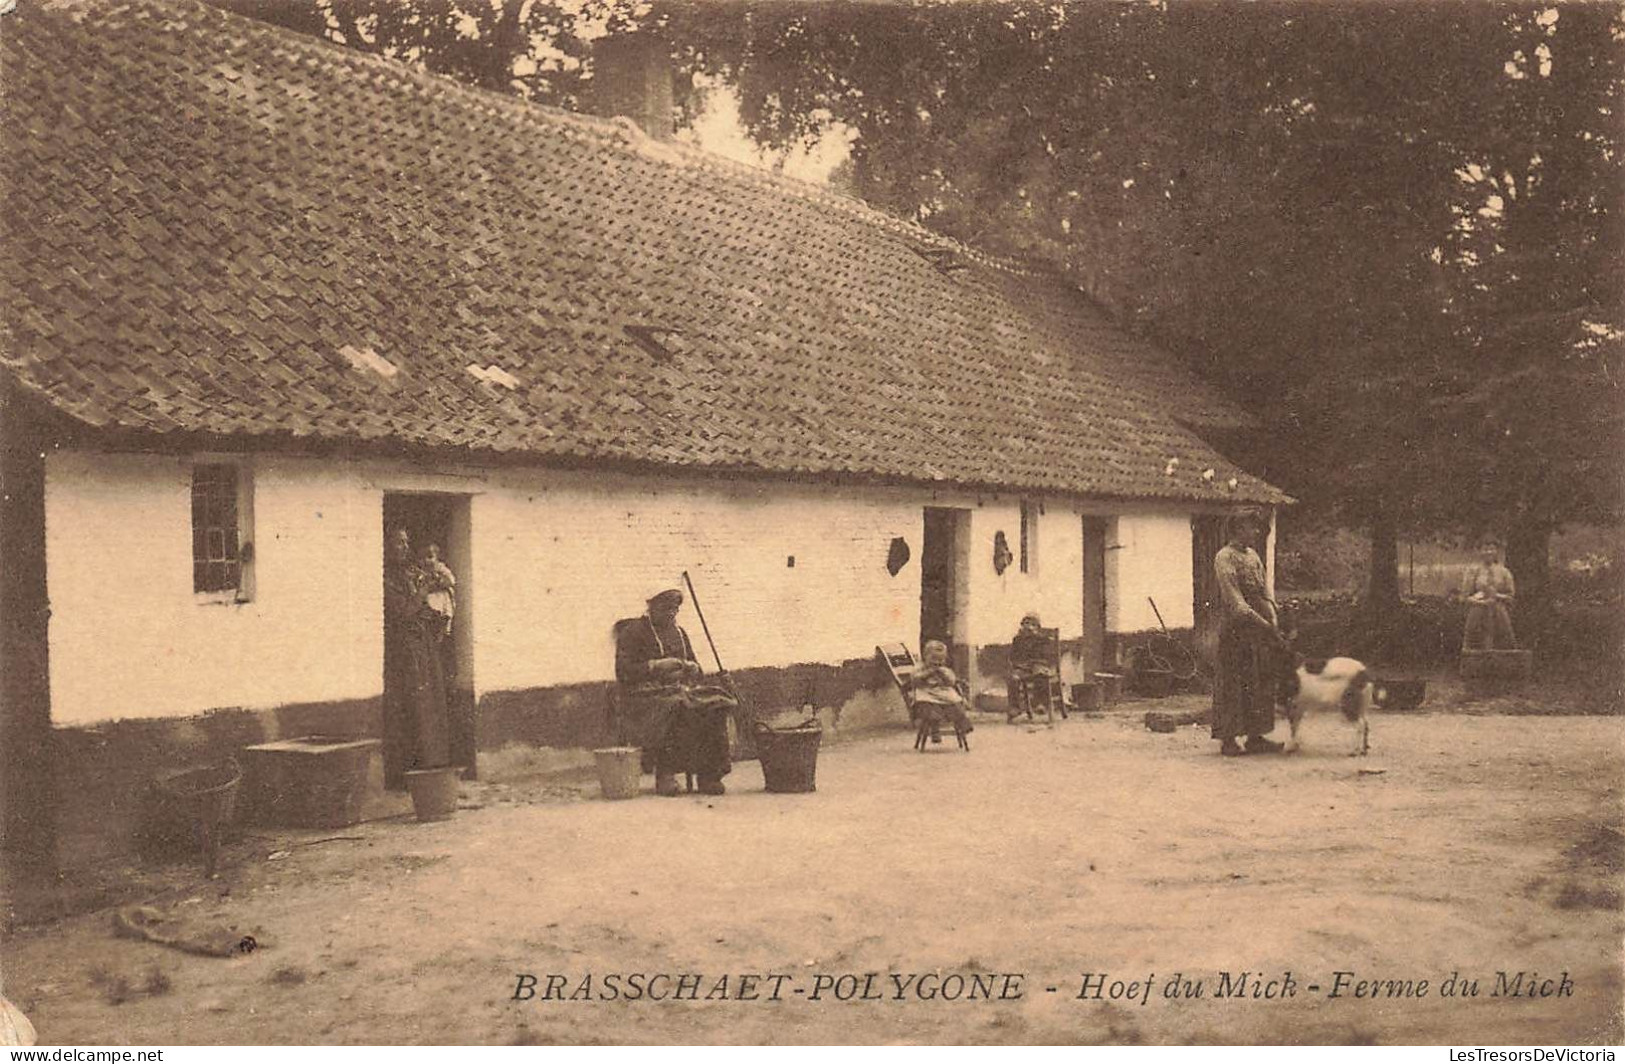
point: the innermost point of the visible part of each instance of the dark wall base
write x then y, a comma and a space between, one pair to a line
103, 772
1118, 644
993, 661
578, 715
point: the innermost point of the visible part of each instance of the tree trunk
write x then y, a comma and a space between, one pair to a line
1382, 587
1527, 556
1380, 612
507, 44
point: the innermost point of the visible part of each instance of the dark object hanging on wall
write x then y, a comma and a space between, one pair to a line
1001, 553
897, 556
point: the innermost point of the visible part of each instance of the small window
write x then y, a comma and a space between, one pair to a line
221, 551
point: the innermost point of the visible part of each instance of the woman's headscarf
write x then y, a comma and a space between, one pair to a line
670, 598
1233, 523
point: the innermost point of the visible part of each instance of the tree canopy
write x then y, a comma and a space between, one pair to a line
1393, 229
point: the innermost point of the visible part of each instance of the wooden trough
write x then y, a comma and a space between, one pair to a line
1486, 673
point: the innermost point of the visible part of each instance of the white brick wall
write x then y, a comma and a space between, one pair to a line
1054, 585
556, 558
560, 559
1154, 562
128, 637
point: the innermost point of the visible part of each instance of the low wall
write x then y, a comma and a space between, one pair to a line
103, 771
852, 696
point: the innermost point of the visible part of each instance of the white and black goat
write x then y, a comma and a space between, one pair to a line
1326, 686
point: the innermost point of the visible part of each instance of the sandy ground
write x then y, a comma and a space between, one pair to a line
1484, 844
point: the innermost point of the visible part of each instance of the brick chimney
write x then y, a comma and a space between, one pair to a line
632, 78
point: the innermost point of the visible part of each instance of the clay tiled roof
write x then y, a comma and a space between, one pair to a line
215, 226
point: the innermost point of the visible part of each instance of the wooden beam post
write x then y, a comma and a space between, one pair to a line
1269, 557
27, 793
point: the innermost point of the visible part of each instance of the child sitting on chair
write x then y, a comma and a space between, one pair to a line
1030, 666
936, 686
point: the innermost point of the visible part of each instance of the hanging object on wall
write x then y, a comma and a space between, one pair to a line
1001, 553
897, 555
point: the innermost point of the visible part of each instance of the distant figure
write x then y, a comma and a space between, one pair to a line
1029, 661
441, 585
1249, 644
935, 685
1489, 590
681, 724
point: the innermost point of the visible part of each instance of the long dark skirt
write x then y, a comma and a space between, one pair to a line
681, 729
417, 724
1244, 683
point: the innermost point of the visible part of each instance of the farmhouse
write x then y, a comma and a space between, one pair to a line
266, 297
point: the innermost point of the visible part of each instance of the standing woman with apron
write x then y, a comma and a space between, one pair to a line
1244, 682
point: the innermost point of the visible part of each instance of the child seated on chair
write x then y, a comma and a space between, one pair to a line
1030, 665
935, 686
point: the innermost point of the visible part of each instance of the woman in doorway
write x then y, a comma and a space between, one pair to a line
1244, 682
414, 679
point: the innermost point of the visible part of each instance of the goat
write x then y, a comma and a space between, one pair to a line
1323, 686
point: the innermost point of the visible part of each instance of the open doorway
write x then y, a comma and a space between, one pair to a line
440, 520
942, 572
1096, 530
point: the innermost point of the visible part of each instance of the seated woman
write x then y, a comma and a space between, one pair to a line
680, 723
1030, 664
936, 688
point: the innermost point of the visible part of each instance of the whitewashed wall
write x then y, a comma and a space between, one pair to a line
556, 559
1053, 586
128, 637
1153, 561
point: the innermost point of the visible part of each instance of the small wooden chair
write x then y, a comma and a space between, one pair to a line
901, 663
1022, 689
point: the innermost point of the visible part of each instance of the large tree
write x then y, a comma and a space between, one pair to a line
1533, 401
1295, 196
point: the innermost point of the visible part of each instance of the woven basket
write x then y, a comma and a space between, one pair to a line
789, 756
191, 808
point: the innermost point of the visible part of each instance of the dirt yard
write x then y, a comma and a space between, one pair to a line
1464, 844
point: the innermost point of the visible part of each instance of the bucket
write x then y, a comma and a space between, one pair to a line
619, 769
434, 792
195, 806
1086, 696
789, 756
1111, 686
